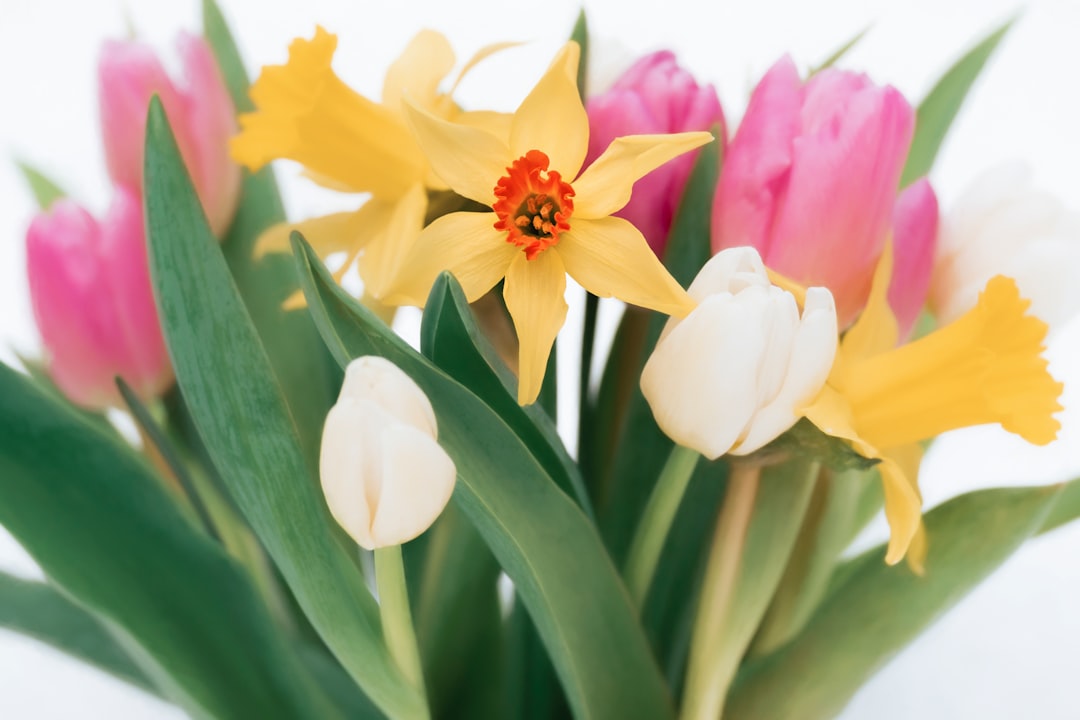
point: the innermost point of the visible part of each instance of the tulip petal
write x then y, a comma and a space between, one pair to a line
467, 245
552, 119
915, 230
349, 464
382, 382
418, 71
610, 258
418, 480
307, 114
468, 159
534, 296
707, 362
605, 186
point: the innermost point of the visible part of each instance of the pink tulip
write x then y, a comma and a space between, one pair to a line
654, 96
200, 112
915, 232
811, 177
90, 291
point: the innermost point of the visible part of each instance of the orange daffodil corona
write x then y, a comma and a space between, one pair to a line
986, 367
304, 112
546, 219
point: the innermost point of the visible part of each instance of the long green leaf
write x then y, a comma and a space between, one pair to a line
40, 611
879, 609
450, 338
103, 529
290, 338
1065, 510
539, 535
939, 108
248, 430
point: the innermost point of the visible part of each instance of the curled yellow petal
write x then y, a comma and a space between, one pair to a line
605, 186
418, 71
469, 159
327, 234
307, 114
464, 243
552, 119
609, 257
534, 293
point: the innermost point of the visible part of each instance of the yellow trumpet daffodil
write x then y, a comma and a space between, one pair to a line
986, 367
546, 219
346, 142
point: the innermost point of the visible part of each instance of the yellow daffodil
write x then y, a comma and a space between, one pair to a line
986, 367
349, 143
547, 220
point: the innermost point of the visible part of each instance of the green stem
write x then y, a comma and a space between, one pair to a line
396, 617
707, 680
656, 520
588, 340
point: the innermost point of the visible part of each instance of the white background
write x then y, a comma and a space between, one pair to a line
1012, 648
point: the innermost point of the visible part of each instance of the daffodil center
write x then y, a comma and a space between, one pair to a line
533, 205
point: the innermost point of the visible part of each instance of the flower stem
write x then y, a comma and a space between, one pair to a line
656, 520
396, 617
707, 680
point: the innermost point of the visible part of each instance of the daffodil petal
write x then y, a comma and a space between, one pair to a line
482, 54
534, 293
388, 248
606, 184
468, 159
418, 71
327, 234
610, 258
552, 119
876, 330
307, 114
903, 508
464, 243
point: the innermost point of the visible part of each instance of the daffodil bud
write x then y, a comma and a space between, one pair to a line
734, 374
384, 474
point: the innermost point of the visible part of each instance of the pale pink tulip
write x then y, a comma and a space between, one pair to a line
654, 96
811, 177
200, 112
91, 295
915, 232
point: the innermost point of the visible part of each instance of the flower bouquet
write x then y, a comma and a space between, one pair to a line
251, 497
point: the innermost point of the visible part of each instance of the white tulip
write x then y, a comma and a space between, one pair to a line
1001, 225
733, 375
385, 476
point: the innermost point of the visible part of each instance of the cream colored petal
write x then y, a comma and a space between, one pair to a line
610, 258
469, 159
467, 245
534, 296
416, 74
382, 258
418, 480
605, 185
347, 461
552, 119
382, 382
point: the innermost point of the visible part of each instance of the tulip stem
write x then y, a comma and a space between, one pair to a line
396, 617
656, 520
707, 680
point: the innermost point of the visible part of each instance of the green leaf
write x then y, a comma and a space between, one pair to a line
45, 191
1065, 510
38, 610
542, 539
450, 338
580, 35
840, 52
94, 517
307, 376
939, 108
878, 609
248, 429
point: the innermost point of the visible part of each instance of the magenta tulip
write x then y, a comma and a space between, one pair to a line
915, 233
811, 177
200, 112
91, 296
654, 96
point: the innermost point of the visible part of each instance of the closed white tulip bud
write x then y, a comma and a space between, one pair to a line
385, 476
1001, 225
733, 375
